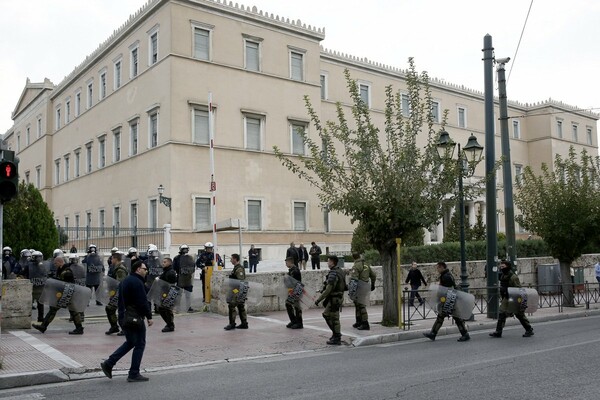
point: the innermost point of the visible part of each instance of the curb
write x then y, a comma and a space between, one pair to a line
10, 381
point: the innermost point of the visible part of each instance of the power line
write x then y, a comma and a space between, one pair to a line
519, 44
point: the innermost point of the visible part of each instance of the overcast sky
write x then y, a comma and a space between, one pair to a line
559, 55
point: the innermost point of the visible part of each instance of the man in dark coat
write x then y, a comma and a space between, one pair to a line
415, 277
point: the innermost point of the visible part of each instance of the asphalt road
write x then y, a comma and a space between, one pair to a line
559, 362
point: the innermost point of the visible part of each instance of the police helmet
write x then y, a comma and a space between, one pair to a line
37, 254
184, 248
92, 246
57, 253
114, 250
208, 245
132, 250
6, 248
73, 257
25, 253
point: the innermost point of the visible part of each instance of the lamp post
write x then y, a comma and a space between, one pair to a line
467, 159
163, 199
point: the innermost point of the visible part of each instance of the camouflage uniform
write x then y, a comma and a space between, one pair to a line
237, 273
509, 279
333, 298
362, 272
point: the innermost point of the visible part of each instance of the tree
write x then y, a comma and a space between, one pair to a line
29, 223
390, 181
563, 208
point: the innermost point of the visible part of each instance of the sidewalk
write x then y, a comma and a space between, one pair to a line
30, 357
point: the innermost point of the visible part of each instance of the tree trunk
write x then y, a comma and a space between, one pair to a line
390, 286
567, 287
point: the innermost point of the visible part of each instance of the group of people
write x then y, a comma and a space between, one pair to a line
301, 255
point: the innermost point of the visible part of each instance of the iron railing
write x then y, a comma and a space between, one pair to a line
107, 238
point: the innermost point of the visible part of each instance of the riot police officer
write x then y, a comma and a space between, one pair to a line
332, 296
205, 260
132, 255
239, 274
94, 270
509, 279
9, 263
183, 265
293, 306
119, 272
170, 276
361, 272
37, 273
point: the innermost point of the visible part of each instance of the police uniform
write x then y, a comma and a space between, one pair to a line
293, 306
509, 279
37, 274
119, 272
237, 273
205, 260
362, 272
170, 276
333, 298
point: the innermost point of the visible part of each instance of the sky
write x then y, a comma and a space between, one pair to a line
558, 56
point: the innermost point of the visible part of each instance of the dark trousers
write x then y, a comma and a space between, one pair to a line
134, 339
294, 312
316, 263
414, 293
203, 278
167, 316
111, 314
253, 264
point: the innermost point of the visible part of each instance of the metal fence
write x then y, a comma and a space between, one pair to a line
107, 238
549, 296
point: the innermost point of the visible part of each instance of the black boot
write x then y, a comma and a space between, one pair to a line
364, 326
357, 323
40, 327
336, 339
77, 331
297, 323
113, 329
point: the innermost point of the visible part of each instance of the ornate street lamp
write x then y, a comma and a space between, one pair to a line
163, 199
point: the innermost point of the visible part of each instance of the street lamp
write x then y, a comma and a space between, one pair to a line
467, 160
164, 200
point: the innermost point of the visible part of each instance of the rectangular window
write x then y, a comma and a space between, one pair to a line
58, 116
117, 144
38, 177
102, 152
296, 66
253, 126
589, 136
18, 142
297, 141
102, 85
202, 214
133, 137
27, 177
133, 217
117, 75
56, 172
90, 95
88, 153
518, 172
101, 221
575, 133
39, 127
153, 214
77, 104
252, 55
299, 216
201, 133
516, 130
133, 66
559, 130
153, 48
67, 167
77, 160
365, 94
254, 215
153, 129
405, 104
27, 136
323, 80
462, 117
117, 217
201, 44
67, 111
67, 223
435, 111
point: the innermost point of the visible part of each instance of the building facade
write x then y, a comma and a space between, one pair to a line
135, 115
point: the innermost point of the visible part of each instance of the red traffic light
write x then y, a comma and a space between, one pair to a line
8, 170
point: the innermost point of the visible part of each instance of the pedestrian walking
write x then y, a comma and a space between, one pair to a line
362, 273
415, 277
170, 276
293, 305
119, 273
315, 255
236, 302
332, 296
292, 251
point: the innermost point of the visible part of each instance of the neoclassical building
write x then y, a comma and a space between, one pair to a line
135, 115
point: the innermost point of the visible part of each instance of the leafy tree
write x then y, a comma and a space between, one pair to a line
562, 206
29, 223
390, 181
478, 230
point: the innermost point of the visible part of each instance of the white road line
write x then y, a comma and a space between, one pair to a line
315, 328
30, 396
46, 349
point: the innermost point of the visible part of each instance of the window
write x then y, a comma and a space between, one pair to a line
296, 130
58, 116
67, 167
202, 214
67, 223
133, 60
433, 230
27, 136
252, 55
254, 215
77, 104
67, 111
88, 153
117, 217
365, 93
296, 66
39, 127
299, 216
133, 137
405, 104
253, 127
102, 152
102, 85
201, 134
575, 133
117, 74
518, 172
153, 47
462, 118
133, 215
559, 130
77, 159
516, 130
153, 214
101, 221
153, 128
56, 172
323, 80
27, 177
90, 95
88, 218
38, 177
18, 142
202, 43
435, 111
588, 135
117, 144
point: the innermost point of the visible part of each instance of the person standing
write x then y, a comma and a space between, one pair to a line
447, 280
293, 305
73, 249
315, 255
239, 274
292, 251
183, 265
170, 276
415, 277
94, 270
332, 296
119, 272
252, 258
9, 263
303, 256
362, 272
65, 274
37, 273
509, 279
132, 296
205, 260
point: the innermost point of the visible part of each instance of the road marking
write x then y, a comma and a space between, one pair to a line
46, 349
30, 396
314, 328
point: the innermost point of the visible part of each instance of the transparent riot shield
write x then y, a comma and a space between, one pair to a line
127, 263
295, 291
359, 291
187, 268
78, 273
154, 265
94, 267
38, 274
165, 295
522, 299
238, 291
451, 301
65, 295
108, 292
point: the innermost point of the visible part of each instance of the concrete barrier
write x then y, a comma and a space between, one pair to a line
16, 304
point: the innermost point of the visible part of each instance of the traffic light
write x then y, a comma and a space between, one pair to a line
9, 176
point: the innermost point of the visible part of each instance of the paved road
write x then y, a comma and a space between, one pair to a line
559, 362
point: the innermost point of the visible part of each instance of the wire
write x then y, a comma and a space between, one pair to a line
519, 44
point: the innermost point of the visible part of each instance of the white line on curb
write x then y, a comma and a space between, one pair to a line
46, 349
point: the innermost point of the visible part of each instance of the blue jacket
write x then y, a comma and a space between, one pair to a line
132, 292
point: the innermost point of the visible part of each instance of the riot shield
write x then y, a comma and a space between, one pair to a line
65, 295
154, 265
451, 301
78, 273
108, 292
38, 274
359, 291
165, 295
522, 299
238, 291
294, 291
94, 266
187, 268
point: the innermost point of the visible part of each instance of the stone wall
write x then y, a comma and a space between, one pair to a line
16, 304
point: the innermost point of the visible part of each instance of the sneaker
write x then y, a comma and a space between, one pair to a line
464, 338
243, 325
168, 329
76, 331
528, 333
429, 335
106, 369
496, 334
229, 327
111, 331
138, 378
40, 328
